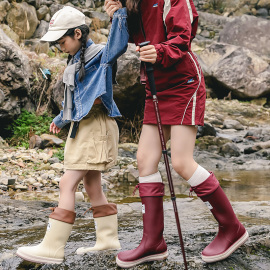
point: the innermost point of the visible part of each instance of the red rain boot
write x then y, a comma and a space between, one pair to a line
231, 234
152, 246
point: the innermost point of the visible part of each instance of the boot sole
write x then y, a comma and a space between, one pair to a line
37, 259
228, 252
156, 257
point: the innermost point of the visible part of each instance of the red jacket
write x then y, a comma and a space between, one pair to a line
169, 25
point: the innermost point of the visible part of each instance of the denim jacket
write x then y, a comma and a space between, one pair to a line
98, 73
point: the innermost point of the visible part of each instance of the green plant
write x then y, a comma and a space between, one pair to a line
26, 123
59, 154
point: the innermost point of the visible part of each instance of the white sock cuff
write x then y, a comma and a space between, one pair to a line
199, 176
152, 178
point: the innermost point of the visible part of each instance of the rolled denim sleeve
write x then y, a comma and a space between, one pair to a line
58, 120
118, 37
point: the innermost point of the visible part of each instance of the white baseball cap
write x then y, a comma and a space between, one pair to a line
64, 19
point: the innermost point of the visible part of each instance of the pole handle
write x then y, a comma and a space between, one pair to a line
149, 72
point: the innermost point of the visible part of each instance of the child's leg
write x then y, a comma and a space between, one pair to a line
151, 188
92, 185
51, 249
68, 185
232, 233
104, 213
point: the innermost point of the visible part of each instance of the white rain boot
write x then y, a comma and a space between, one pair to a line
51, 249
105, 217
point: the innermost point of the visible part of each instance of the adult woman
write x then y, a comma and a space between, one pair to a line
170, 26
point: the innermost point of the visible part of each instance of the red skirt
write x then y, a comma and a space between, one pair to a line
181, 105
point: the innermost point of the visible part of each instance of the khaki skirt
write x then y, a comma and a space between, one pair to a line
95, 146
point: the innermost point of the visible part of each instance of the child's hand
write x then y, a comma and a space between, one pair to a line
147, 53
54, 128
111, 6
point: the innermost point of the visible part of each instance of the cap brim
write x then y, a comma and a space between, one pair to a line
51, 36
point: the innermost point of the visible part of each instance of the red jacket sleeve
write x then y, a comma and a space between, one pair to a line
181, 24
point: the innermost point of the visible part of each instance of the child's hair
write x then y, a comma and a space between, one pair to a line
85, 32
71, 32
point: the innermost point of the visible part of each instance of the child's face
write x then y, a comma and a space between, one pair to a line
71, 45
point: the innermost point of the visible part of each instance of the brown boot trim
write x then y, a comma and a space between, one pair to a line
63, 215
104, 210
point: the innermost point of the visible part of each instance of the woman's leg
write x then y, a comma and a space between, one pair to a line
232, 233
149, 149
92, 185
68, 185
182, 147
151, 188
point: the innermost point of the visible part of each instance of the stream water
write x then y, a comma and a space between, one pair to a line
248, 191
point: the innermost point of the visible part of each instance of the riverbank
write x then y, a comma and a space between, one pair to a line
29, 181
26, 223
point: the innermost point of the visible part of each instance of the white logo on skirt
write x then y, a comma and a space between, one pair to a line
143, 208
208, 204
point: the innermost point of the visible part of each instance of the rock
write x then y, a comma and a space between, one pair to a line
97, 37
230, 150
14, 80
133, 173
22, 18
263, 4
256, 147
206, 130
42, 11
57, 166
30, 181
3, 143
50, 140
237, 70
129, 94
37, 46
34, 141
21, 187
41, 29
228, 124
100, 19
9, 33
262, 12
79, 197
242, 31
4, 8
53, 160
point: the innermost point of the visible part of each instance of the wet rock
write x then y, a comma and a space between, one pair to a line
206, 130
230, 150
228, 124
256, 147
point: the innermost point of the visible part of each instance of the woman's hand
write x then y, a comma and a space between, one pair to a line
147, 53
54, 128
111, 6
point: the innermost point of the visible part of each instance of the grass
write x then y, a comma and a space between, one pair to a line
26, 125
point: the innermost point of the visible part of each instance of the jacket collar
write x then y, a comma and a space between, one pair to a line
76, 57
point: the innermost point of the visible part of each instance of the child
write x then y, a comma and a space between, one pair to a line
170, 26
93, 137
